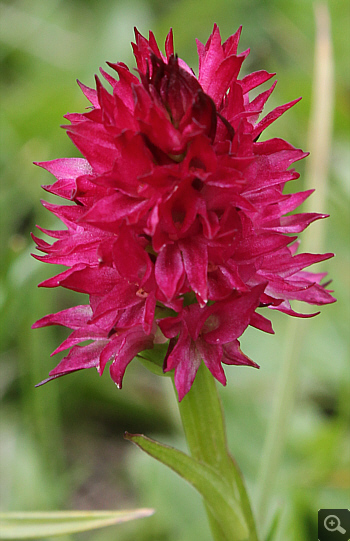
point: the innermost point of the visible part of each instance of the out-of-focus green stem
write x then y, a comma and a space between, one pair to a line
278, 423
203, 423
320, 127
319, 143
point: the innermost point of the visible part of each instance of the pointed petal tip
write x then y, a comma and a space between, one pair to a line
137, 34
37, 257
50, 378
42, 382
42, 322
54, 376
180, 395
98, 81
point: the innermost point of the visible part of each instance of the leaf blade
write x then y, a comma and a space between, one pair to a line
32, 525
204, 478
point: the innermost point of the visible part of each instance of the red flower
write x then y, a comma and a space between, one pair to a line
178, 210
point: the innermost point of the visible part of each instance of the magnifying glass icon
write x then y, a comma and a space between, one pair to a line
332, 524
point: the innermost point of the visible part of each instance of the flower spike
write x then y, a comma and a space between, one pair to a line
178, 227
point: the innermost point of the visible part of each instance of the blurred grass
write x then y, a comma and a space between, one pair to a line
61, 445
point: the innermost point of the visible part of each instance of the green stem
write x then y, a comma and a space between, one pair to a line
203, 422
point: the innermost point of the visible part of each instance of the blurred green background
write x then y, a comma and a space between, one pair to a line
61, 445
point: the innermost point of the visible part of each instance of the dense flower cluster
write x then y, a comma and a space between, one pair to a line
180, 229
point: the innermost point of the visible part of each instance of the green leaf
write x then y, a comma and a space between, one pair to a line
214, 488
44, 524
